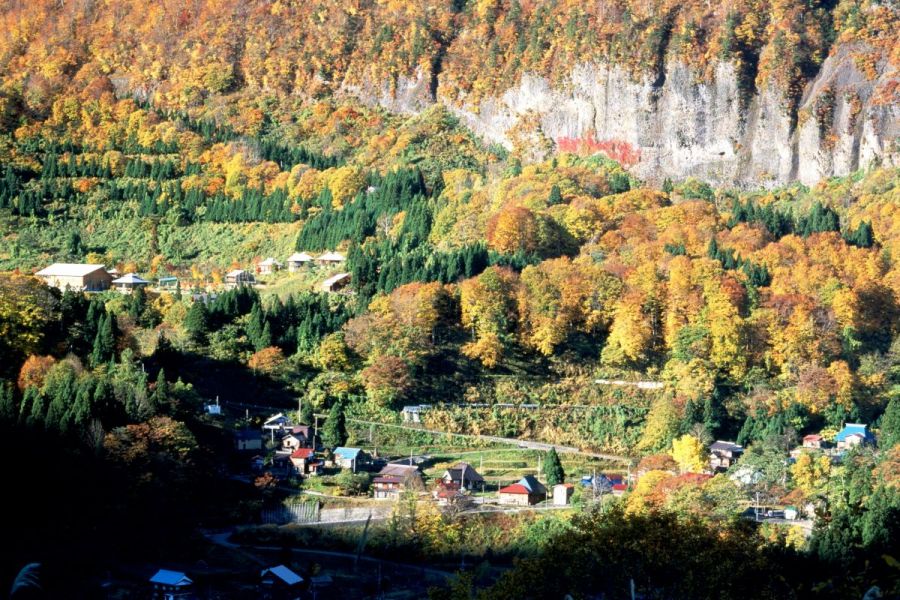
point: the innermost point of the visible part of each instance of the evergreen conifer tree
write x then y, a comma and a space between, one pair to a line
334, 432
553, 469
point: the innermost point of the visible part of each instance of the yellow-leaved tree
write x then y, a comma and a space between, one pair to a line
810, 472
689, 453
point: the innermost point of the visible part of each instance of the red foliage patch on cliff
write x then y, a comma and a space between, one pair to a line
618, 150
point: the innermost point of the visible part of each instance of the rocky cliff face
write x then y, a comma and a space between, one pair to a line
680, 127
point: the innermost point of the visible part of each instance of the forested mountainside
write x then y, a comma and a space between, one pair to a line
750, 92
552, 234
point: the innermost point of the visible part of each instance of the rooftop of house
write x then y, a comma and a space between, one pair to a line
725, 446
399, 470
69, 270
813, 437
465, 471
532, 484
302, 453
853, 429
347, 453
284, 574
130, 278
332, 256
335, 278
299, 257
278, 419
515, 489
387, 479
269, 262
235, 273
173, 578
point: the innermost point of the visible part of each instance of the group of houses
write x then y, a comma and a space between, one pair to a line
89, 278
275, 582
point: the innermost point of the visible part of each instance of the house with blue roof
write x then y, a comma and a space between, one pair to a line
350, 458
854, 434
169, 585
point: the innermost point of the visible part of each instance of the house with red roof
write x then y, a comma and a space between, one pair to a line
526, 492
301, 458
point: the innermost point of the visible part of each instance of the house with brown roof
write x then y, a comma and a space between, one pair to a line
395, 478
526, 492
464, 476
722, 455
76, 277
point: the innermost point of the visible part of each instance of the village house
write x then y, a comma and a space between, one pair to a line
301, 458
298, 260
247, 439
171, 585
722, 455
269, 266
291, 442
463, 475
331, 258
76, 277
395, 478
562, 493
276, 422
238, 278
336, 282
280, 582
814, 441
128, 283
304, 433
854, 434
167, 283
350, 458
527, 491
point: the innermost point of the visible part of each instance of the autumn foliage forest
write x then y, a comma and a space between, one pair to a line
189, 137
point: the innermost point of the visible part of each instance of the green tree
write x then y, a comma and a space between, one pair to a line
104, 342
161, 392
9, 410
196, 322
334, 431
555, 196
553, 469
890, 425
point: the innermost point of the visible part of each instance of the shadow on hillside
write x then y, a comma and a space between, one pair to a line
230, 381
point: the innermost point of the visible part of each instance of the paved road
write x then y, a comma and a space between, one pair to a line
528, 444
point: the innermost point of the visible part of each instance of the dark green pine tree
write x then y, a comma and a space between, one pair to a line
555, 196
255, 326
36, 406
74, 246
553, 469
104, 343
196, 322
334, 432
9, 410
265, 338
667, 186
890, 425
306, 413
161, 391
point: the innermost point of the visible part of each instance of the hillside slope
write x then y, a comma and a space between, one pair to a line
753, 92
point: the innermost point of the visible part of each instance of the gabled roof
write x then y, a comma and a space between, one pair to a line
69, 270
347, 453
533, 485
332, 256
726, 446
270, 262
334, 279
279, 417
302, 453
130, 278
853, 429
813, 437
299, 257
464, 472
235, 273
515, 488
387, 479
284, 574
398, 470
173, 578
